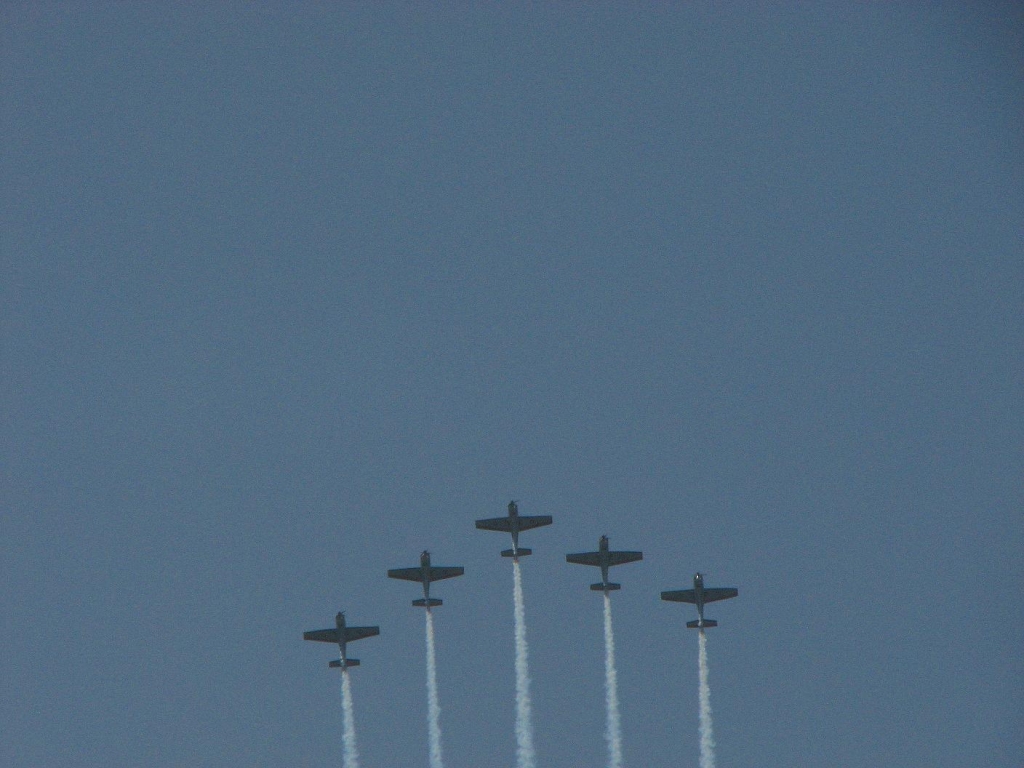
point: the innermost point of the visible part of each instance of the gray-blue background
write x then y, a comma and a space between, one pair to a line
291, 292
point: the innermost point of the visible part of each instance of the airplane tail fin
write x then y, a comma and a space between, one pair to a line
336, 663
521, 552
421, 603
696, 624
601, 587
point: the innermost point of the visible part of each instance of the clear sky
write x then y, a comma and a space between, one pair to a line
291, 292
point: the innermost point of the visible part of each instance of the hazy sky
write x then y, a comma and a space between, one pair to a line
292, 292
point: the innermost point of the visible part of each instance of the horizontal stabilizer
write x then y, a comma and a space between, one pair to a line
599, 587
696, 624
421, 603
336, 663
521, 552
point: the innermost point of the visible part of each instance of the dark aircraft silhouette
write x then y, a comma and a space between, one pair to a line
341, 635
514, 524
425, 574
700, 595
604, 559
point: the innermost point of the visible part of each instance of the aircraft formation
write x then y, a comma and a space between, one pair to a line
426, 573
514, 523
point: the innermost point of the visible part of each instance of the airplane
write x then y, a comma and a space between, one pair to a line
341, 635
425, 574
604, 559
700, 595
514, 524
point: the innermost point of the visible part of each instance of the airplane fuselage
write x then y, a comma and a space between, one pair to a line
339, 622
425, 567
602, 548
515, 525
698, 593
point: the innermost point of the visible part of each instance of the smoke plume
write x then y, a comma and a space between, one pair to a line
433, 702
351, 754
525, 757
613, 731
707, 737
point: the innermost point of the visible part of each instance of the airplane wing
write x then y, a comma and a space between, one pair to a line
495, 524
585, 558
358, 633
322, 635
618, 558
719, 593
409, 574
526, 522
681, 596
444, 572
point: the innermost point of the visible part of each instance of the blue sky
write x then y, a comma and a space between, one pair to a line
292, 292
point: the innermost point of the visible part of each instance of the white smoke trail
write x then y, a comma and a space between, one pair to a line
613, 732
351, 754
433, 702
707, 738
525, 757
